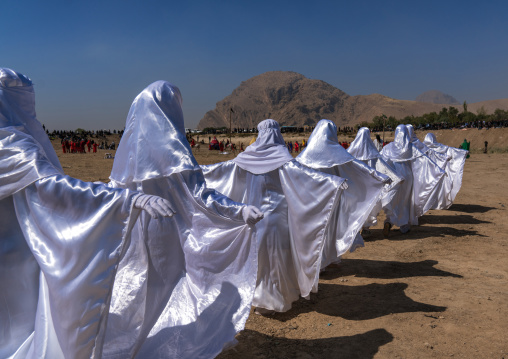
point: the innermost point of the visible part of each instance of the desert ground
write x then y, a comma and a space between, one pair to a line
439, 291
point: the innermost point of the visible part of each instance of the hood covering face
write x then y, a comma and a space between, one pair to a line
17, 110
362, 148
154, 143
267, 153
323, 149
416, 142
430, 138
401, 149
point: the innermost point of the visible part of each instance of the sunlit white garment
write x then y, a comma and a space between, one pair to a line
454, 169
440, 158
297, 202
61, 240
442, 193
187, 281
266, 153
421, 177
364, 149
324, 153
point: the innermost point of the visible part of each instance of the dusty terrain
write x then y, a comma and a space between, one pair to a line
438, 291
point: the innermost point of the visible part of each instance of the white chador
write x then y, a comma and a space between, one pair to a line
189, 280
454, 169
421, 177
364, 149
297, 202
442, 193
324, 153
61, 240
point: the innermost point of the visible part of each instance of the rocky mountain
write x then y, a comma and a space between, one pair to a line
294, 100
435, 96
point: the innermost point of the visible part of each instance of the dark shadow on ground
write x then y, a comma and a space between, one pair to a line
421, 232
365, 268
450, 219
470, 208
358, 302
257, 345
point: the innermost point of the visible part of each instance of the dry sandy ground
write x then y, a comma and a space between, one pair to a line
438, 291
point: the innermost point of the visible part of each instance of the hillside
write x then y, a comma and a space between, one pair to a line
294, 100
435, 96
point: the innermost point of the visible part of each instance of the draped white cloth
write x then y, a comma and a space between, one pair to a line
454, 169
188, 281
442, 193
298, 203
61, 240
364, 149
421, 178
267, 153
324, 153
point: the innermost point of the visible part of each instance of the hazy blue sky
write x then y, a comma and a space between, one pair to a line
89, 59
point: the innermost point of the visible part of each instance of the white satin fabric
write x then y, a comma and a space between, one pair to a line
442, 193
421, 178
188, 281
298, 204
61, 240
267, 153
364, 149
324, 153
454, 169
18, 110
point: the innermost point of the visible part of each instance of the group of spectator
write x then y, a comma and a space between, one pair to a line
80, 145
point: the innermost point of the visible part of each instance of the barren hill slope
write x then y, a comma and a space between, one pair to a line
294, 100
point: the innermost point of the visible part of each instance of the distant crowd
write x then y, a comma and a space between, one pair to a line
82, 141
283, 129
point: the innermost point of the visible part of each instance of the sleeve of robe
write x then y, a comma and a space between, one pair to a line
427, 176
312, 198
76, 232
456, 169
364, 188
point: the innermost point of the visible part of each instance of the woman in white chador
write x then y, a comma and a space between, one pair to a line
454, 169
364, 149
297, 202
421, 177
442, 194
189, 280
324, 153
61, 239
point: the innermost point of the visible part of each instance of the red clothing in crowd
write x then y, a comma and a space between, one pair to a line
94, 148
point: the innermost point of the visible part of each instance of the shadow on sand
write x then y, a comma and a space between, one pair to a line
257, 345
365, 268
422, 232
358, 302
470, 208
450, 219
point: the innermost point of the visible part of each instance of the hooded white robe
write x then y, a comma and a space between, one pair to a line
442, 193
61, 240
298, 203
454, 169
421, 177
190, 279
364, 149
324, 153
